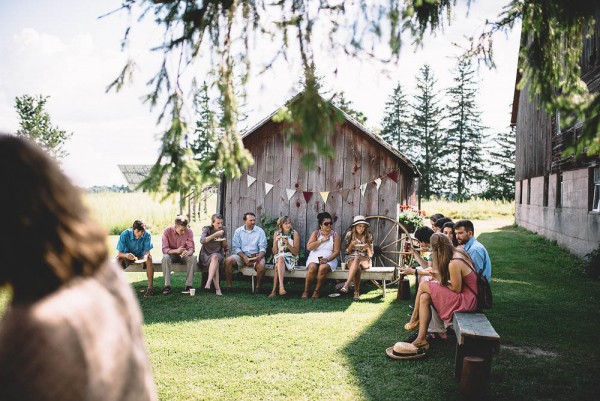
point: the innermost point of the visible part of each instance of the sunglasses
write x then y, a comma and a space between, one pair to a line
327, 223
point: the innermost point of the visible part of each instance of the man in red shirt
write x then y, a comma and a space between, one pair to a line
178, 247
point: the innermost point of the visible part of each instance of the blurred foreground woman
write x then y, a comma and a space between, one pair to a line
73, 328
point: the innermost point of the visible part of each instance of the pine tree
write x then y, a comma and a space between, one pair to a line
206, 133
464, 135
37, 127
425, 133
396, 122
501, 170
347, 107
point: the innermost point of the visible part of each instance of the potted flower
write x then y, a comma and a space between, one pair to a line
410, 217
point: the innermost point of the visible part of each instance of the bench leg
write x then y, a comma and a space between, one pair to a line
473, 347
384, 288
253, 283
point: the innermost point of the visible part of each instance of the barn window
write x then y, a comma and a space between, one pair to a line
559, 190
546, 185
596, 190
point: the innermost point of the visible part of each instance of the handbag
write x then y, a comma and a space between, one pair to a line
484, 290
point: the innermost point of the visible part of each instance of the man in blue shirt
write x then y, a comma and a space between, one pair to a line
249, 248
465, 236
134, 247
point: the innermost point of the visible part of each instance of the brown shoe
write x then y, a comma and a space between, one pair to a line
149, 293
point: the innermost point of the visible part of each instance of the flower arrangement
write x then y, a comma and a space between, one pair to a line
410, 217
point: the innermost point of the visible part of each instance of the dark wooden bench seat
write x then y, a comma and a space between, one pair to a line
475, 336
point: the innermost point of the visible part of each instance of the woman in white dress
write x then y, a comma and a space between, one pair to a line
286, 245
324, 247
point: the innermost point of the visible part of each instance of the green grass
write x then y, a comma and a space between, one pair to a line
475, 209
242, 346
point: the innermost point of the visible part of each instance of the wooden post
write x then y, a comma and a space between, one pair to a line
474, 380
403, 289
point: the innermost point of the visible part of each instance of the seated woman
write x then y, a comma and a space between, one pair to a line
359, 251
423, 235
447, 292
286, 245
324, 247
448, 229
214, 248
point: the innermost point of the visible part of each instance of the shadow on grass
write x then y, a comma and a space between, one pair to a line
177, 307
538, 290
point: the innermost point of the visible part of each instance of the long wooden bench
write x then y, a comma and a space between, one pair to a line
475, 336
374, 273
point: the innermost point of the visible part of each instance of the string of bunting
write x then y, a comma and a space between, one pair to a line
290, 192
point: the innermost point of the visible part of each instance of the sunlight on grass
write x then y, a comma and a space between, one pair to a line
475, 209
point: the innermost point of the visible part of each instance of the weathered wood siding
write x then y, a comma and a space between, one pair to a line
359, 159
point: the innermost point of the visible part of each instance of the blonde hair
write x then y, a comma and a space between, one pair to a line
281, 221
442, 251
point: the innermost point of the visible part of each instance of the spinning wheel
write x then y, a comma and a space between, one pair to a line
391, 241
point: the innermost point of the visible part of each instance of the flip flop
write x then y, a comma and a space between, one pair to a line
343, 290
166, 290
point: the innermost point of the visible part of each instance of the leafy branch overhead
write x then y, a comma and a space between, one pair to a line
214, 39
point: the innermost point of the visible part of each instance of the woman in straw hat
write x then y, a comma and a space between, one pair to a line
73, 329
449, 292
359, 251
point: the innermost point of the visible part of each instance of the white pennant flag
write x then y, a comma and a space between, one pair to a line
290, 193
268, 187
324, 195
378, 182
363, 188
250, 180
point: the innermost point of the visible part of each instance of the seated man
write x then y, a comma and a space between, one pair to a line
249, 248
465, 235
178, 247
134, 245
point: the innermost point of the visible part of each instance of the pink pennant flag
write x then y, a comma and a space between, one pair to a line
307, 196
393, 175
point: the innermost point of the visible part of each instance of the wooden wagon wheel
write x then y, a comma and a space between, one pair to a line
390, 245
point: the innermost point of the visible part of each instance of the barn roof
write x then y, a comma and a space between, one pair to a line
395, 152
134, 173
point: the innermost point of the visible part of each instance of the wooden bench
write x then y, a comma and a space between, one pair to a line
475, 336
374, 273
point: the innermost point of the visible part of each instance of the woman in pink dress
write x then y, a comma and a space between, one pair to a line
450, 291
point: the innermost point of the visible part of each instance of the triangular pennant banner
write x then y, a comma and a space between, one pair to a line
393, 175
268, 187
363, 188
324, 195
378, 182
307, 196
250, 180
290, 193
345, 193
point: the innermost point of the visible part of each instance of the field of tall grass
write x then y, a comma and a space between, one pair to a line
116, 211
475, 209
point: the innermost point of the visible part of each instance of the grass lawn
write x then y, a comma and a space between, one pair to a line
242, 346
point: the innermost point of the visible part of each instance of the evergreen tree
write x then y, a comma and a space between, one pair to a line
396, 122
425, 132
501, 171
347, 107
464, 135
206, 132
37, 127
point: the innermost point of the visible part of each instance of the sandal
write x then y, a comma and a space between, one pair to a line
149, 293
305, 295
356, 296
167, 290
343, 290
422, 345
273, 294
315, 294
411, 326
282, 293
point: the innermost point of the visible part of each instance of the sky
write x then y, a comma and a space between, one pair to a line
61, 49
